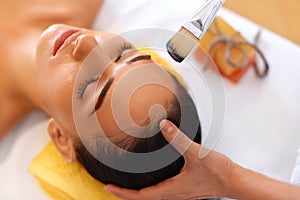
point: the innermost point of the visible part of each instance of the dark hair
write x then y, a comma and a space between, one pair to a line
175, 112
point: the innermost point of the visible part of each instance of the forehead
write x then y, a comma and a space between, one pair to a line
134, 96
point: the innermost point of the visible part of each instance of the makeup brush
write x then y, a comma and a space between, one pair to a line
183, 42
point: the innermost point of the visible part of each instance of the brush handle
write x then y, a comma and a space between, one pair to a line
200, 21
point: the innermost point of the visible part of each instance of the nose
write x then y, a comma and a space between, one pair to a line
85, 44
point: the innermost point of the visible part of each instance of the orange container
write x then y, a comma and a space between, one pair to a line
221, 31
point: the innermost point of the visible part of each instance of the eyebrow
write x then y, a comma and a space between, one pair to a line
139, 57
110, 80
103, 93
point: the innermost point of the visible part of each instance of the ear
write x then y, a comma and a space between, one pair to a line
62, 141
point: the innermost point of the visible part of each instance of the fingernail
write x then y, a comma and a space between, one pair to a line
166, 126
108, 188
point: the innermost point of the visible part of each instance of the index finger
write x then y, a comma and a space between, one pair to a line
180, 141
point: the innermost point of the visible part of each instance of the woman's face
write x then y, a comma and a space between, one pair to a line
91, 70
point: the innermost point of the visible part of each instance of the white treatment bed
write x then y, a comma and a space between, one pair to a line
261, 128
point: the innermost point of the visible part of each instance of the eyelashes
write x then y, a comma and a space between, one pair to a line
83, 85
125, 46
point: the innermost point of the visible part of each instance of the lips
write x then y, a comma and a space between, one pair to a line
63, 39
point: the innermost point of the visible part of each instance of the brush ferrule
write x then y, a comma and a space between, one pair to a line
199, 23
193, 29
182, 43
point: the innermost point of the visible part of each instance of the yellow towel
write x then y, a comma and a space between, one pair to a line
70, 181
65, 181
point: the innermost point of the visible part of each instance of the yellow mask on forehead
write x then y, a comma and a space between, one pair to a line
70, 181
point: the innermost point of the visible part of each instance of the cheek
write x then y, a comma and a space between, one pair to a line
56, 87
58, 98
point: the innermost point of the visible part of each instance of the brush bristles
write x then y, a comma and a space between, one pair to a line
181, 44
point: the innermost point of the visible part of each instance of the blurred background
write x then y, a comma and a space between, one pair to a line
261, 128
280, 16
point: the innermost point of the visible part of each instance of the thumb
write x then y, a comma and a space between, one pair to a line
175, 137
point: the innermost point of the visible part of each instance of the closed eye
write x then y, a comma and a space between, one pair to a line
82, 86
125, 46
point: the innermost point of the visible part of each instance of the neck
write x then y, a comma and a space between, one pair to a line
18, 95
19, 34
19, 69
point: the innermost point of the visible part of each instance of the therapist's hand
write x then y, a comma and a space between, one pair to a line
205, 177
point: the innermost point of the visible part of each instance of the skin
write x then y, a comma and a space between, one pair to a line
214, 175
26, 87
46, 81
56, 79
24, 22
